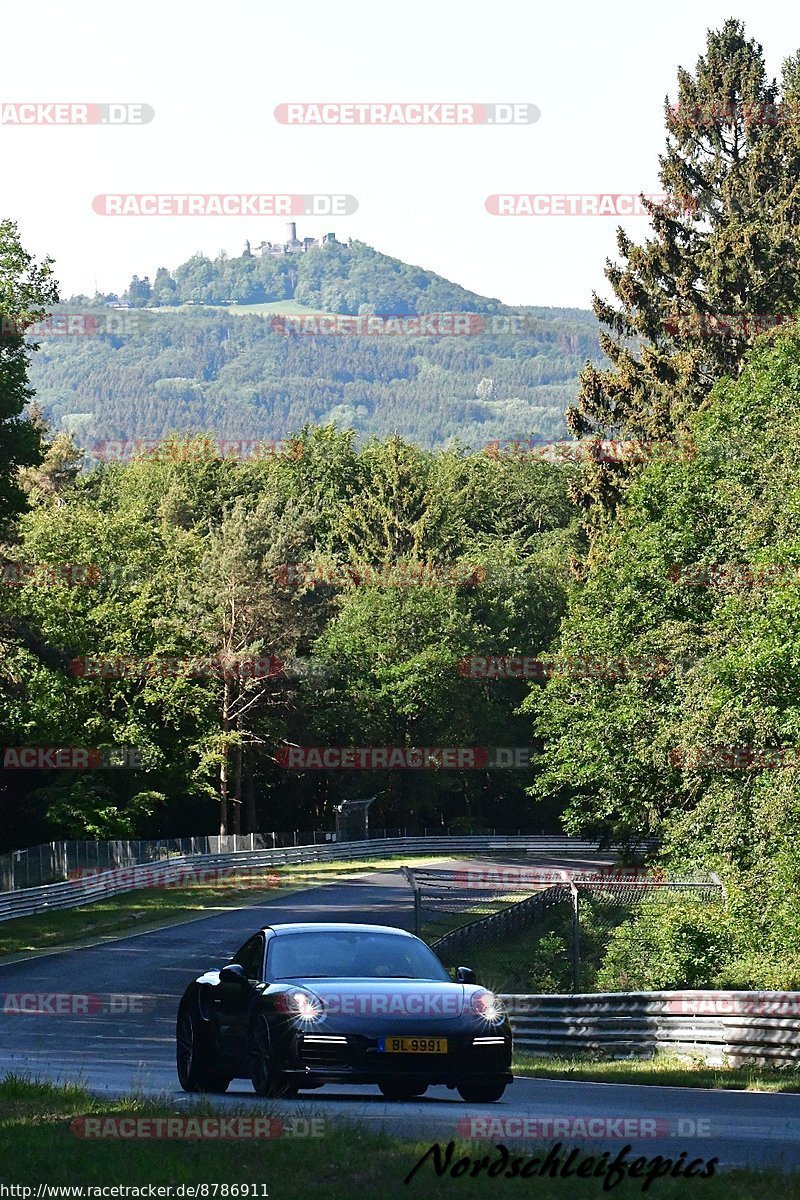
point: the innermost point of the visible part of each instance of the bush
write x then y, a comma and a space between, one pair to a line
672, 942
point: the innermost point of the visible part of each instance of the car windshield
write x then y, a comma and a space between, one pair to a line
345, 954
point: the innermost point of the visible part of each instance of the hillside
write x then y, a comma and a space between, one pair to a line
202, 350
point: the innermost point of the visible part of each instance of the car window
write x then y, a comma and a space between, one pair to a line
345, 954
251, 957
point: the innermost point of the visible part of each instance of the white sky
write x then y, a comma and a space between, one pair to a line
214, 73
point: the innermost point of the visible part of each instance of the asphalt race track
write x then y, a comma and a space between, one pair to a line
132, 1048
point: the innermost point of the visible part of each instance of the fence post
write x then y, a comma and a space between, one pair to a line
576, 944
409, 875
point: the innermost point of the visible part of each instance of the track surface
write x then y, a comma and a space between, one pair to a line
134, 1050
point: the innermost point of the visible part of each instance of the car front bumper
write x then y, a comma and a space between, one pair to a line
352, 1058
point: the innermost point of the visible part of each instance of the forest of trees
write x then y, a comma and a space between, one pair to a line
332, 277
189, 560
198, 369
690, 561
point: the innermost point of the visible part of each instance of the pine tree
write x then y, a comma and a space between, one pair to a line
725, 243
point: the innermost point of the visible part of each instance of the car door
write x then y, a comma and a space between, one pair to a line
235, 999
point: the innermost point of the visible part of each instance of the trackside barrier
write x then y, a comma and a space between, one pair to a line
51, 862
446, 896
723, 1028
500, 925
72, 893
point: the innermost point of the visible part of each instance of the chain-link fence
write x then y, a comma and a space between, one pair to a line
552, 939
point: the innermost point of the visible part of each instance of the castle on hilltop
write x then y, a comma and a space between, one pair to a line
292, 245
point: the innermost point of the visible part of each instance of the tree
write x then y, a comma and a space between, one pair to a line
164, 287
139, 292
720, 247
27, 290
246, 615
47, 482
686, 742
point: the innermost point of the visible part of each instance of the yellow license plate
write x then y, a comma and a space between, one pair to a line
413, 1045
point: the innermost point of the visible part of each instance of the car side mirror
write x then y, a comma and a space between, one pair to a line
233, 973
465, 975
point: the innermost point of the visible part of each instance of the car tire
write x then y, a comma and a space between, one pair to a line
266, 1081
401, 1089
482, 1093
191, 1050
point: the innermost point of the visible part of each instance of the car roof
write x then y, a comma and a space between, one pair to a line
332, 927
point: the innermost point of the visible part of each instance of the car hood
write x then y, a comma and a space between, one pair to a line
405, 998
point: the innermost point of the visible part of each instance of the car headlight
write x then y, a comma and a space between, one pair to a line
488, 1006
301, 1005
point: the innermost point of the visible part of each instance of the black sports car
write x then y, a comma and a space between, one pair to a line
303, 1005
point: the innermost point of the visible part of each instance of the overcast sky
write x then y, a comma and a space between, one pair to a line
214, 74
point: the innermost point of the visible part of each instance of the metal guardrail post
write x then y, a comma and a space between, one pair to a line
409, 875
576, 939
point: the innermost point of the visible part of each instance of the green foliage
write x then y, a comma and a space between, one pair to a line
191, 363
188, 553
672, 942
725, 243
27, 290
81, 809
733, 678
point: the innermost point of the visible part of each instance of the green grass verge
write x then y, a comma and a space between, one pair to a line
666, 1070
151, 908
37, 1146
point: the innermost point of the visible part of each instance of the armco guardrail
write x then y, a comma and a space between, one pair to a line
51, 862
72, 893
719, 1027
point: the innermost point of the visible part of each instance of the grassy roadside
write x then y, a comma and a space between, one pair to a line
38, 1146
665, 1070
152, 908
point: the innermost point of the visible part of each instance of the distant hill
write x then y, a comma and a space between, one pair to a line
205, 348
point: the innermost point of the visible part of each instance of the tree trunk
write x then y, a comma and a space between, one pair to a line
237, 792
223, 766
249, 800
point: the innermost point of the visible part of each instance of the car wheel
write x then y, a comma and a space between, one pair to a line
264, 1078
482, 1093
400, 1089
194, 1074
